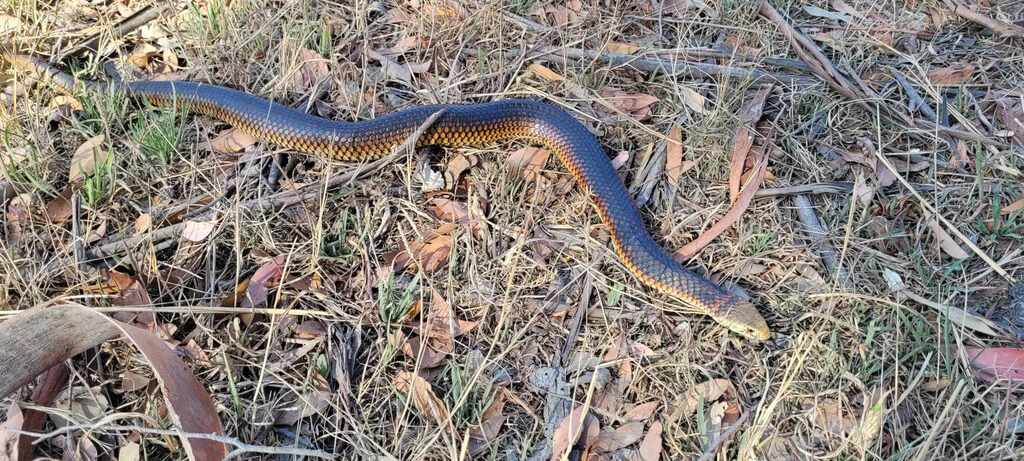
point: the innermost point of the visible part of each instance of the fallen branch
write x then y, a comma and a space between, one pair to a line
838, 187
827, 72
240, 447
126, 26
666, 66
1001, 28
110, 249
812, 55
816, 233
916, 101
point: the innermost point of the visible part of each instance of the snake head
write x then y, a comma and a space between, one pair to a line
741, 317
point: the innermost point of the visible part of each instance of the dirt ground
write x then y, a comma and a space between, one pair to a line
466, 303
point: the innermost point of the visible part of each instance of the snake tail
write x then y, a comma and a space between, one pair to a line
459, 125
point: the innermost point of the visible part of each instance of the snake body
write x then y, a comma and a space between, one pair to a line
458, 125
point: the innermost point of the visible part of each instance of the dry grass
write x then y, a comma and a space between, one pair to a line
846, 346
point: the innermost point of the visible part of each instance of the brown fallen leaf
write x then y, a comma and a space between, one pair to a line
85, 159
412, 347
491, 419
192, 351
545, 73
694, 100
1013, 207
310, 329
734, 213
743, 140
862, 191
622, 47
402, 72
191, 409
829, 416
621, 437
961, 159
230, 141
832, 38
530, 159
674, 167
589, 435
997, 363
313, 69
58, 209
126, 291
62, 106
637, 105
130, 451
753, 108
423, 397
955, 74
134, 382
885, 176
484, 434
429, 254
141, 55
707, 391
642, 412
78, 447
18, 216
197, 231
303, 406
946, 241
561, 16
872, 419
441, 327
454, 212
253, 291
154, 60
650, 448
458, 165
1010, 111
143, 223
16, 446
266, 276
406, 43
845, 8
9, 449
680, 8
567, 432
170, 61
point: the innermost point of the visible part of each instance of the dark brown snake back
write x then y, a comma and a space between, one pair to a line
473, 124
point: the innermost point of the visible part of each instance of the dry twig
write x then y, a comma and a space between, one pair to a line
666, 66
126, 26
817, 234
1001, 28
827, 72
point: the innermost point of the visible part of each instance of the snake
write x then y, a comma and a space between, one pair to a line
458, 125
